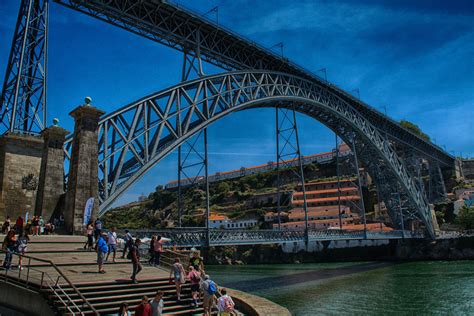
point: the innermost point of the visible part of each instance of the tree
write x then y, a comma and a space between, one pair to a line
466, 217
222, 188
414, 129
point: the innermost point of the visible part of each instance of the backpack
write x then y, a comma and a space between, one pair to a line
212, 288
21, 244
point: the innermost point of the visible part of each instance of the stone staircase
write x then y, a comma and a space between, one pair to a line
106, 297
104, 292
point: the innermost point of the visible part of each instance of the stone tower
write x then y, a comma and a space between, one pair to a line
83, 167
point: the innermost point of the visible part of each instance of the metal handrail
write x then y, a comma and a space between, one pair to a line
56, 283
168, 257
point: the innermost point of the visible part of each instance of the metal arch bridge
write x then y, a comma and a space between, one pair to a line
136, 137
224, 237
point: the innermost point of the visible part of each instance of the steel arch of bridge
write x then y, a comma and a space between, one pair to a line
136, 137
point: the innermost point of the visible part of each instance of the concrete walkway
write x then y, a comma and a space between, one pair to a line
77, 264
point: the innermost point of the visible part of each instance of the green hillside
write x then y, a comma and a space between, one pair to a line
236, 198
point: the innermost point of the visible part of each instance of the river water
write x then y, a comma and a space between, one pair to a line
359, 288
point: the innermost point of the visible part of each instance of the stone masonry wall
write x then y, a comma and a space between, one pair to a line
51, 185
20, 163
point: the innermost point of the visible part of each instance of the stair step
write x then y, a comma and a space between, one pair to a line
118, 286
113, 306
111, 296
150, 288
107, 283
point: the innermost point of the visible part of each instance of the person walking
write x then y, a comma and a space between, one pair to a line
123, 310
158, 249
197, 262
144, 308
21, 247
225, 304
157, 304
8, 246
19, 225
194, 277
128, 241
97, 229
177, 270
89, 231
112, 243
151, 250
209, 290
135, 256
102, 250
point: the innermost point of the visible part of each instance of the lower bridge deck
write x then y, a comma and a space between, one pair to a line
223, 237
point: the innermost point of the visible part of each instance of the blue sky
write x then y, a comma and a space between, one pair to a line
413, 58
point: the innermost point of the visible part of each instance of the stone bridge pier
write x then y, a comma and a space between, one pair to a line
32, 172
83, 168
20, 164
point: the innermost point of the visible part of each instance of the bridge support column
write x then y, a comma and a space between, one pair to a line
51, 180
20, 163
83, 180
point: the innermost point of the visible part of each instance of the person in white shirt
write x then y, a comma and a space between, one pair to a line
157, 304
225, 304
112, 241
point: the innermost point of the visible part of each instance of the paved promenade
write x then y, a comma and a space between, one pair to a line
79, 265
105, 292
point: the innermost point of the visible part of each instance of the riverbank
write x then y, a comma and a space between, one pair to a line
461, 248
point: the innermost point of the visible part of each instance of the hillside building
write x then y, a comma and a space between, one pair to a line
217, 221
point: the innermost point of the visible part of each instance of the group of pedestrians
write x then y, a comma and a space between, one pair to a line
13, 243
201, 283
105, 243
18, 227
35, 226
146, 307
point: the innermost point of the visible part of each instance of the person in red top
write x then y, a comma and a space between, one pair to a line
19, 225
144, 308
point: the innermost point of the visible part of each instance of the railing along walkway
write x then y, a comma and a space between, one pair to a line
31, 277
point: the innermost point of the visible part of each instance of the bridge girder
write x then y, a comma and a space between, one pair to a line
136, 137
181, 29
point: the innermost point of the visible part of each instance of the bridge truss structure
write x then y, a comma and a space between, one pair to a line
136, 137
222, 237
